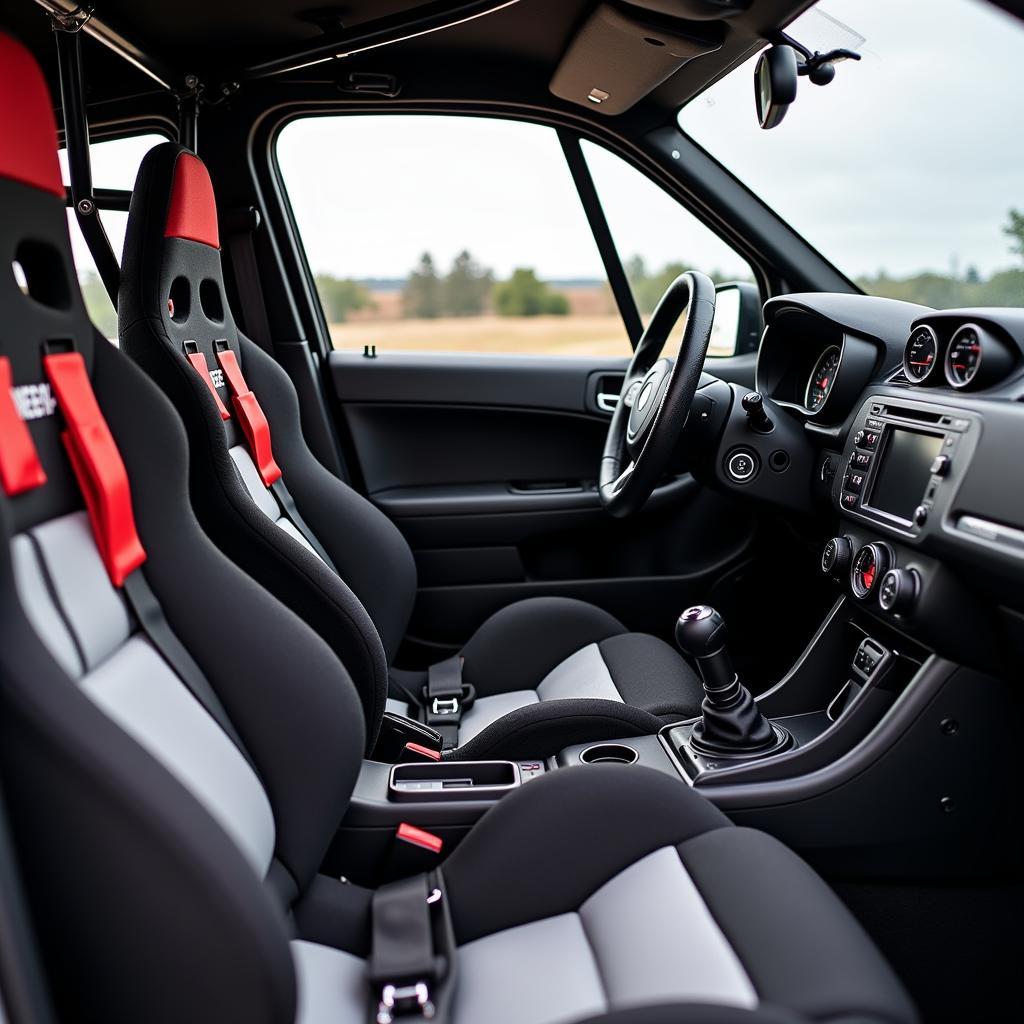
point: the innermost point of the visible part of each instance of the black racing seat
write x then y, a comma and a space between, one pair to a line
546, 672
177, 748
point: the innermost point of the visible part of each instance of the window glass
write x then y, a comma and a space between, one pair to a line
447, 233
906, 169
657, 238
114, 165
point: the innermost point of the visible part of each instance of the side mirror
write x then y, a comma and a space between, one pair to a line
775, 79
737, 325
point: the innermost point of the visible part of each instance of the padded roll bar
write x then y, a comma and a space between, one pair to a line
76, 138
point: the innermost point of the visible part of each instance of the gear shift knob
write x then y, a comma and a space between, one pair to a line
701, 633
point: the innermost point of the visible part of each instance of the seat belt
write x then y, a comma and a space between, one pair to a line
412, 951
103, 481
241, 225
257, 434
446, 698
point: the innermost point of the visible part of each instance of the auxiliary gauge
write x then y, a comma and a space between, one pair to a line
870, 564
921, 355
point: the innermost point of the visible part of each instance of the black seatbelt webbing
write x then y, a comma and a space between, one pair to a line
445, 699
153, 623
242, 224
284, 497
403, 938
409, 958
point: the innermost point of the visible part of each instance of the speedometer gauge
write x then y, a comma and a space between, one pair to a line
822, 378
921, 354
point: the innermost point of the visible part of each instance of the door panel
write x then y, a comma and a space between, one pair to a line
488, 466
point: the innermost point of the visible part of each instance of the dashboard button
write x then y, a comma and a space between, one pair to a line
861, 460
874, 424
741, 466
921, 515
941, 465
849, 499
854, 481
866, 439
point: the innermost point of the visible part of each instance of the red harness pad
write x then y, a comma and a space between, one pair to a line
250, 415
20, 468
97, 465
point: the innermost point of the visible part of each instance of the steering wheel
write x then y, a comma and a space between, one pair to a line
656, 396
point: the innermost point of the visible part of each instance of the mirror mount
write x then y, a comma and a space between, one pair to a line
781, 65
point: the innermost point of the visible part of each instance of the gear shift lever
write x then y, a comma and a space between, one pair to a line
731, 723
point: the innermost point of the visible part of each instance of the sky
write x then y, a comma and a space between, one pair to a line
909, 160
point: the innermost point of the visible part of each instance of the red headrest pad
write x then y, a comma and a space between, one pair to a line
192, 212
28, 152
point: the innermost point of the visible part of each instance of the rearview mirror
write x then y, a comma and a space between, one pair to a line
737, 325
775, 80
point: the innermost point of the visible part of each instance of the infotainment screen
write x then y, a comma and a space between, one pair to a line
904, 472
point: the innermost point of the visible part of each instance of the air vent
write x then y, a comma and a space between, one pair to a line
899, 380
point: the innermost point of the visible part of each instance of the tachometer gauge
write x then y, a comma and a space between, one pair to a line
822, 378
963, 360
921, 355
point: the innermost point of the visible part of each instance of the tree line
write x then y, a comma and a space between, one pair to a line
467, 289
470, 289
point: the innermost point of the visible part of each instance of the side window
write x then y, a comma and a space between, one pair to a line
447, 233
657, 238
114, 166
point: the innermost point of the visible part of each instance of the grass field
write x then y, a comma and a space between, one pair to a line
534, 335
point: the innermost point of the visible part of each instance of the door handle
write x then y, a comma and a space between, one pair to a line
607, 402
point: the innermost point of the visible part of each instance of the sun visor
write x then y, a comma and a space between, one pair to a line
623, 52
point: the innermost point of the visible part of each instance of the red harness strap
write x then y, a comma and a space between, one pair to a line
97, 464
198, 361
250, 415
20, 468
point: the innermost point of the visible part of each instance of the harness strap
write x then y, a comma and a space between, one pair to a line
20, 468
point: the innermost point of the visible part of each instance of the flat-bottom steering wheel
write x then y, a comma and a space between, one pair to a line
656, 396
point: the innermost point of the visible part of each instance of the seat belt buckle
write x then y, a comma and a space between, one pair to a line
405, 1001
446, 706
402, 739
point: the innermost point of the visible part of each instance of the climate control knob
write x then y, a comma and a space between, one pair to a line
870, 564
835, 557
897, 593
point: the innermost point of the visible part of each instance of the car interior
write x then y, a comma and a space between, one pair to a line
499, 526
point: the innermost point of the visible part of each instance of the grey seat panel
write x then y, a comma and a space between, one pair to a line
582, 675
95, 611
509, 977
140, 692
41, 608
683, 954
74, 608
332, 985
263, 498
265, 501
645, 937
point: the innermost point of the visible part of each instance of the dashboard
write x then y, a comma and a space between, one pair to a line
916, 420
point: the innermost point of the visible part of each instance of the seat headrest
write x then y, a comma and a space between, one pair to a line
192, 210
27, 126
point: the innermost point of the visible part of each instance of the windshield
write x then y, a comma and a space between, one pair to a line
907, 171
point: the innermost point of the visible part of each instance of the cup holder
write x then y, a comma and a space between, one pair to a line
609, 753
